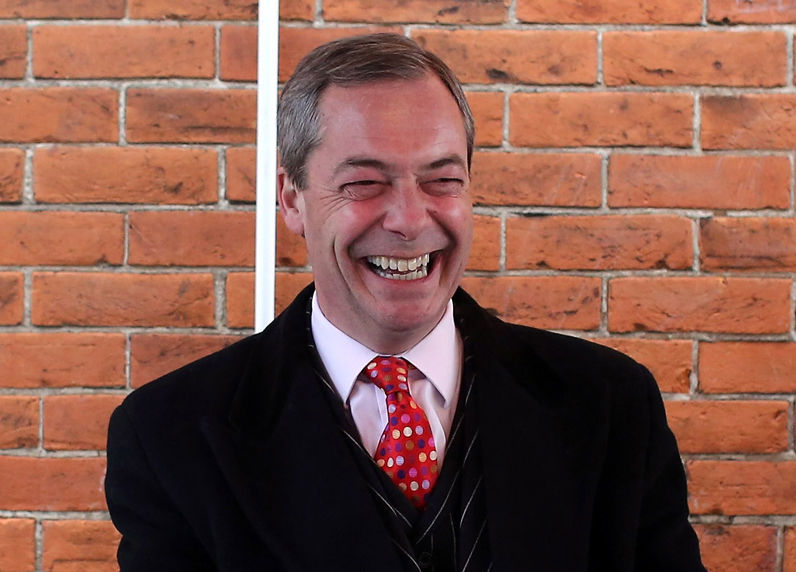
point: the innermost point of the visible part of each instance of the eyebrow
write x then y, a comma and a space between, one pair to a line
354, 162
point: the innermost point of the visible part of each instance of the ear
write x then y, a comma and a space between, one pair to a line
291, 202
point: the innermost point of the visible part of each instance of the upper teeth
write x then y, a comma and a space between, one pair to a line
399, 264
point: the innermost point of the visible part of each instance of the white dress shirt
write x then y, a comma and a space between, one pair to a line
438, 357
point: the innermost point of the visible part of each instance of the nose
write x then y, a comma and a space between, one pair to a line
408, 210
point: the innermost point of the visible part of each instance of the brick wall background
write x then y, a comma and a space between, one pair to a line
634, 181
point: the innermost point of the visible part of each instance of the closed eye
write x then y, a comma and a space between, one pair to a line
444, 186
363, 189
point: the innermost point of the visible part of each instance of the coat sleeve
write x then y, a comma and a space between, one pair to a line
666, 542
155, 535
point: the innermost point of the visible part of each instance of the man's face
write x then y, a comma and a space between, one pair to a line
387, 187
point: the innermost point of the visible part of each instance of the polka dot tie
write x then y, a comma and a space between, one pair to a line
406, 449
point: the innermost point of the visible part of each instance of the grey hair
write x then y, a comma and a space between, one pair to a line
352, 62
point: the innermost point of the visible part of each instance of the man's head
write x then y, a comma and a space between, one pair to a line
383, 199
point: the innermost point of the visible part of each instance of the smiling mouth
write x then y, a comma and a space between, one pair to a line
400, 268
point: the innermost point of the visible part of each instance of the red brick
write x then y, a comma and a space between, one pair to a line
123, 51
89, 544
154, 355
240, 295
295, 43
239, 53
11, 173
757, 59
729, 426
61, 238
288, 285
11, 298
192, 238
751, 12
747, 367
59, 114
191, 115
19, 421
440, 11
291, 249
789, 556
485, 253
536, 179
598, 242
487, 110
13, 51
101, 299
742, 487
560, 302
242, 174
514, 56
62, 360
738, 548
45, 484
703, 304
40, 9
193, 9
296, 10
17, 544
751, 121
610, 11
762, 244
600, 119
711, 182
668, 360
78, 421
148, 175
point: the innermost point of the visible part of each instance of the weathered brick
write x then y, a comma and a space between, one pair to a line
738, 547
19, 421
13, 51
88, 545
123, 51
561, 302
598, 242
193, 9
11, 173
291, 250
296, 9
17, 544
154, 355
238, 53
288, 285
610, 11
751, 12
61, 238
62, 9
78, 421
59, 114
11, 299
749, 121
241, 174
668, 360
191, 238
440, 11
240, 295
295, 43
576, 119
39, 483
762, 244
191, 115
704, 304
101, 299
548, 179
516, 56
487, 109
485, 253
158, 175
741, 487
729, 426
747, 367
712, 182
700, 57
62, 359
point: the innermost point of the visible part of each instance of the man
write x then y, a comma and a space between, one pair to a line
311, 446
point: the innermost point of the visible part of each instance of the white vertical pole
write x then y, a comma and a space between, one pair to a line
267, 81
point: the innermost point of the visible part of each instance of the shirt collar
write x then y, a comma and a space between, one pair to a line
437, 356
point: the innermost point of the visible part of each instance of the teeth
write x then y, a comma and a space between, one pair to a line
411, 268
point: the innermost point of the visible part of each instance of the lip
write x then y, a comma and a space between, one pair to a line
401, 269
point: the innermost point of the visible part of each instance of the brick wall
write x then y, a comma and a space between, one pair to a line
634, 185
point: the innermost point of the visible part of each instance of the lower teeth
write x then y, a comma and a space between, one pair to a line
421, 272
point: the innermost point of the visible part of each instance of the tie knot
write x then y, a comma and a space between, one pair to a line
389, 373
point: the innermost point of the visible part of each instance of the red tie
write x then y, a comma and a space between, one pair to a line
406, 449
